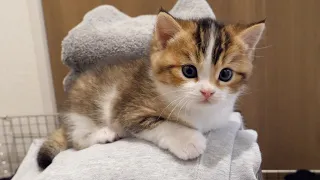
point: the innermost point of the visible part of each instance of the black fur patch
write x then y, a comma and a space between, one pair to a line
217, 48
202, 35
43, 160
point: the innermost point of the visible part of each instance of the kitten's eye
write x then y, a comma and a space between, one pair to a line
225, 75
189, 71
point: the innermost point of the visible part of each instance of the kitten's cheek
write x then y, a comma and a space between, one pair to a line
189, 85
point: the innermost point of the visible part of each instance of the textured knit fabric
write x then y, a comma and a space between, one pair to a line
107, 35
231, 153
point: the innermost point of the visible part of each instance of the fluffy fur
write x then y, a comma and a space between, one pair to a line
170, 99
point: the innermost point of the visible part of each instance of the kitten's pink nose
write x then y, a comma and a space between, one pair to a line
206, 93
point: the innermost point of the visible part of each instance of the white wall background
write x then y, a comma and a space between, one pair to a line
25, 75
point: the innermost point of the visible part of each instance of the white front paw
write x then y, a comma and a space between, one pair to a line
189, 144
105, 135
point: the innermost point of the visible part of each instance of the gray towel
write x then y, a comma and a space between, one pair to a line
108, 35
232, 153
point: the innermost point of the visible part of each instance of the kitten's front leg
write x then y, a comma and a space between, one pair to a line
184, 142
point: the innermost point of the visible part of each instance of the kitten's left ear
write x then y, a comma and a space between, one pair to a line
252, 34
166, 28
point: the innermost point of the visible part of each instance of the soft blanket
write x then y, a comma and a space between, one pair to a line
232, 153
107, 35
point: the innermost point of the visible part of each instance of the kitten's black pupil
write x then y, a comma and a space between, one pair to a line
225, 75
189, 71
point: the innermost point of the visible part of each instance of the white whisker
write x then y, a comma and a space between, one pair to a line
185, 109
182, 106
168, 106
257, 48
176, 107
250, 55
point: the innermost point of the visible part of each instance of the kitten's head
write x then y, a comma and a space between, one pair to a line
202, 61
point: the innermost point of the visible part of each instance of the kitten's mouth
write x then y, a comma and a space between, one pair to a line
205, 101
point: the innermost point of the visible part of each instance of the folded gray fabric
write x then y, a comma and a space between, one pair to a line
231, 153
107, 35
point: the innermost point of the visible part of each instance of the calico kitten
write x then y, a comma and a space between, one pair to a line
187, 86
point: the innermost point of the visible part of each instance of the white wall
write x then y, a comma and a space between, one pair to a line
25, 76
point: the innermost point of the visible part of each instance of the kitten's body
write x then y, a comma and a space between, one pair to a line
169, 99
123, 100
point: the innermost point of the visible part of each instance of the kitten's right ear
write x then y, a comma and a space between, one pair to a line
252, 34
166, 28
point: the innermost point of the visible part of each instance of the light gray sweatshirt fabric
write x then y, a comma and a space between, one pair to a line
107, 35
232, 153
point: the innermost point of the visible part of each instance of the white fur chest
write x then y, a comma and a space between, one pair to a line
208, 118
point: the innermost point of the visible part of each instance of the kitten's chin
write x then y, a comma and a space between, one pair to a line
208, 102
203, 105
215, 102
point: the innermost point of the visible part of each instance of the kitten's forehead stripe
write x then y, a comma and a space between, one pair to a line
203, 36
203, 33
218, 49
198, 37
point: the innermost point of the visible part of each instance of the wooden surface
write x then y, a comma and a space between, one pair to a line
283, 101
61, 16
